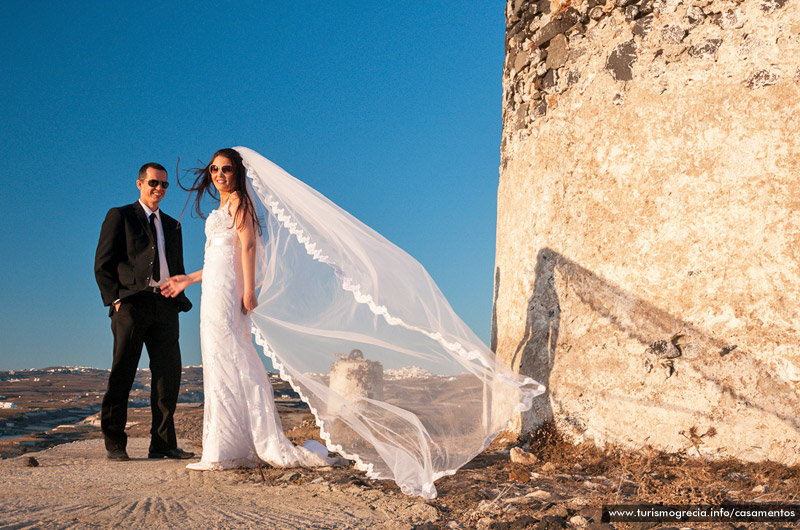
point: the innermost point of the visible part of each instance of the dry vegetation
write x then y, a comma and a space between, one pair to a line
565, 488
569, 484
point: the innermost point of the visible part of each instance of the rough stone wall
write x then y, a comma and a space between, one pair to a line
649, 222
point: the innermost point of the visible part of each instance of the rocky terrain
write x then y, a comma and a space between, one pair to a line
541, 482
47, 406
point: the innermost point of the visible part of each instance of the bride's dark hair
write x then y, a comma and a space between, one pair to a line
203, 184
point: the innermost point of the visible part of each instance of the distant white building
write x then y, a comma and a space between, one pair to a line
7, 405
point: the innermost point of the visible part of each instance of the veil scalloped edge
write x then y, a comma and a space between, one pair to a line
451, 340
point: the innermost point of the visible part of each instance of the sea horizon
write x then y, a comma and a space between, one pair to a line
78, 368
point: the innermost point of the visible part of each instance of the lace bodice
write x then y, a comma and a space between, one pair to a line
220, 228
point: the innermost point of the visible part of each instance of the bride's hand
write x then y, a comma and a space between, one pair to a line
175, 285
249, 302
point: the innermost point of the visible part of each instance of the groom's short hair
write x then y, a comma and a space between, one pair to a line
154, 165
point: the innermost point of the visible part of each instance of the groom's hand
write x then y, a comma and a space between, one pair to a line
175, 285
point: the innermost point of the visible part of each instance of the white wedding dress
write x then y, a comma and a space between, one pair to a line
241, 427
397, 382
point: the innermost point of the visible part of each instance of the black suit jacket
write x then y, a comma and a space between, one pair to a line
123, 263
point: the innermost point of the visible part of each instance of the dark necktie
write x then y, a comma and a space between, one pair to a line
156, 258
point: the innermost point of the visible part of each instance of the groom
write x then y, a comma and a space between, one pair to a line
139, 248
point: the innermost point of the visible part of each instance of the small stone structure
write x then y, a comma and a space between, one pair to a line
354, 377
648, 233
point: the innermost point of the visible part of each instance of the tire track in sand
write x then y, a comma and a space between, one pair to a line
75, 486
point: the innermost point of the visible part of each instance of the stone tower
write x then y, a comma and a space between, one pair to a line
648, 233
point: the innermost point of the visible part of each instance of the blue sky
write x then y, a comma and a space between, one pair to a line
390, 109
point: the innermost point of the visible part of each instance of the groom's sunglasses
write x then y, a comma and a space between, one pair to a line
153, 183
225, 169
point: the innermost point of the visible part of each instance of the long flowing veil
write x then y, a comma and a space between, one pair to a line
396, 380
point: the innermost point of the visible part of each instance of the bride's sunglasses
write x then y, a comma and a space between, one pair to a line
228, 170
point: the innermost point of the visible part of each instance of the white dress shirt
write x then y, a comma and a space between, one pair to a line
162, 253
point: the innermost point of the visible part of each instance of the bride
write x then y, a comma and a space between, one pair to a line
418, 395
241, 426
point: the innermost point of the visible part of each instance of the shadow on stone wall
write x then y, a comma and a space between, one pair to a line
710, 358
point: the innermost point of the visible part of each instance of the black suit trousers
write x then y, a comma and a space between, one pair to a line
151, 320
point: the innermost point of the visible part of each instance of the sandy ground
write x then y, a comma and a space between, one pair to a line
556, 486
76, 487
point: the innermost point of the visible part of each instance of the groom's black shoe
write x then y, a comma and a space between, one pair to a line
171, 453
119, 455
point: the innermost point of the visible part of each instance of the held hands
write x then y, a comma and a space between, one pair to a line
175, 285
249, 302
